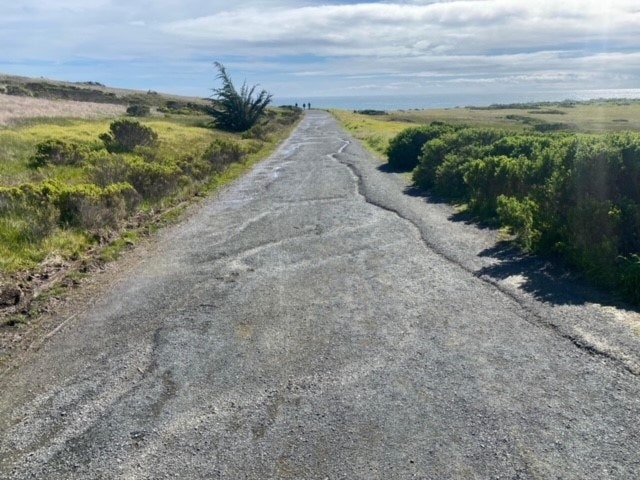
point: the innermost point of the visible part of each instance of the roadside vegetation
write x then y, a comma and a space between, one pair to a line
74, 192
557, 190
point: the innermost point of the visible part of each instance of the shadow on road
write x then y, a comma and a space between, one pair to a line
386, 168
548, 279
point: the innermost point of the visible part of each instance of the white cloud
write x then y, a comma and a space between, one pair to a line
365, 46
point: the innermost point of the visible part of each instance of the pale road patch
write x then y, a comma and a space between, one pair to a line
314, 322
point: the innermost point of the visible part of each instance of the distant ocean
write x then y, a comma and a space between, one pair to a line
409, 102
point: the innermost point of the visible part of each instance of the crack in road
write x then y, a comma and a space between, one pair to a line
314, 322
581, 343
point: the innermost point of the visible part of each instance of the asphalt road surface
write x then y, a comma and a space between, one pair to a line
315, 322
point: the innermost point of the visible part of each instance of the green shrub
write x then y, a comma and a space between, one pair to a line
152, 180
138, 110
58, 152
194, 167
106, 169
260, 131
31, 209
222, 153
465, 143
449, 177
405, 148
578, 195
17, 90
491, 177
89, 206
630, 277
126, 135
520, 216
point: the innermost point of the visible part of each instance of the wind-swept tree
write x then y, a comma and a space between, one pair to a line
233, 110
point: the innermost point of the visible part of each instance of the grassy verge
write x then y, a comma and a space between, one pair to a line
375, 133
76, 193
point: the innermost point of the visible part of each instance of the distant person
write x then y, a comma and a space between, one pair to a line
296, 104
309, 105
304, 105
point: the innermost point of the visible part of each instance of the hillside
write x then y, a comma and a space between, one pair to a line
95, 92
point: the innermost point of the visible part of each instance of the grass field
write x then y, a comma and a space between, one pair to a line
14, 109
587, 117
71, 211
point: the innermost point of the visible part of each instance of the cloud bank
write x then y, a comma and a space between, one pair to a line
330, 48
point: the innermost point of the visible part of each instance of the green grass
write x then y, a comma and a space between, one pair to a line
588, 117
179, 136
374, 132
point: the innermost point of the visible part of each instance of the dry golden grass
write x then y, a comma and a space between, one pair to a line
13, 108
589, 117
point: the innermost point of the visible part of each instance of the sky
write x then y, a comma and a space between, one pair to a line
329, 48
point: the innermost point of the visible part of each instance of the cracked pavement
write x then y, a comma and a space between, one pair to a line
313, 322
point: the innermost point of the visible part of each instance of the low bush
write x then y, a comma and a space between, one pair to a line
152, 181
466, 143
31, 209
138, 110
406, 147
105, 169
91, 207
58, 152
578, 195
17, 90
222, 153
126, 135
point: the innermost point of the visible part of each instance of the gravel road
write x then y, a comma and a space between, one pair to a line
314, 322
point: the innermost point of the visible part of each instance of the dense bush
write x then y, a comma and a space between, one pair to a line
43, 207
138, 110
58, 152
465, 143
126, 135
91, 207
152, 180
578, 195
31, 209
105, 169
17, 90
405, 148
222, 153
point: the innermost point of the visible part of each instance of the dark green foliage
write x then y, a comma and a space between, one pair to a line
465, 143
138, 110
520, 215
405, 148
17, 91
106, 169
45, 206
58, 152
222, 153
577, 195
31, 205
184, 108
492, 176
89, 206
237, 111
152, 180
126, 135
370, 112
